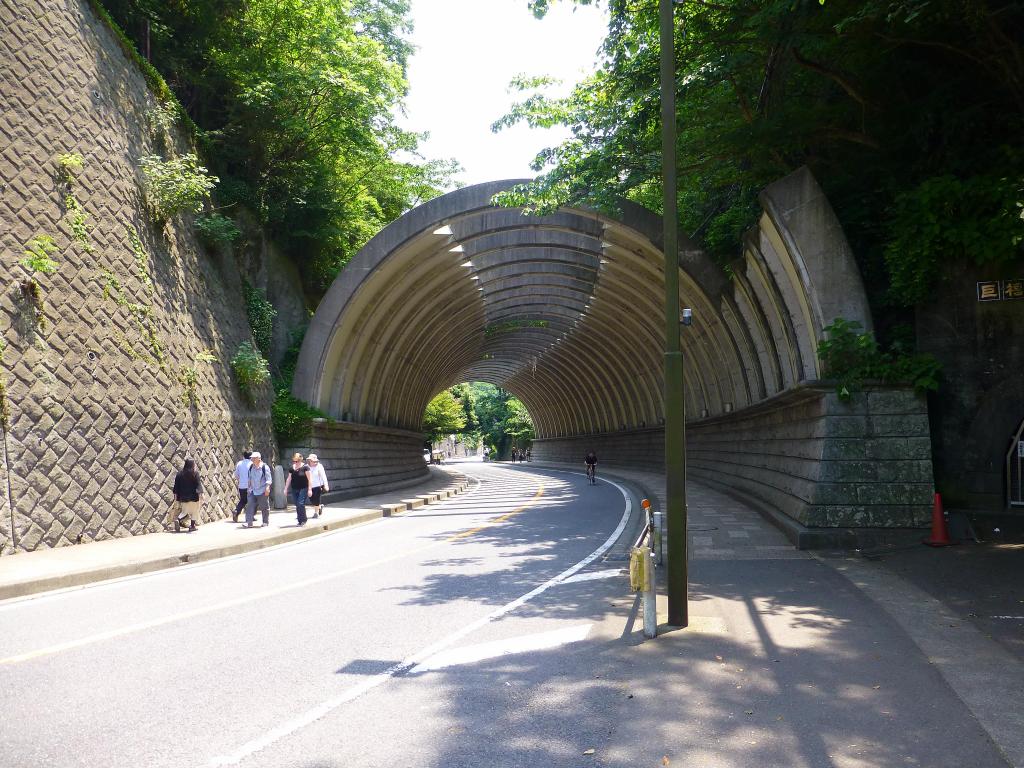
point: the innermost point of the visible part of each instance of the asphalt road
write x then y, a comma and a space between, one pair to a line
488, 630
334, 651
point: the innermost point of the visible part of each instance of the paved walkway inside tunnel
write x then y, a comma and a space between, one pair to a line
720, 527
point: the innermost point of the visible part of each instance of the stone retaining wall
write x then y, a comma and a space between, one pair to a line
361, 459
98, 424
822, 462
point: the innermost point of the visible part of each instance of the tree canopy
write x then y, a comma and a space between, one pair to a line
294, 102
909, 112
444, 416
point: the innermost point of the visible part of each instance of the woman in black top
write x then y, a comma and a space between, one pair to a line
298, 481
188, 489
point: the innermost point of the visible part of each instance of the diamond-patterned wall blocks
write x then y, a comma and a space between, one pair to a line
95, 436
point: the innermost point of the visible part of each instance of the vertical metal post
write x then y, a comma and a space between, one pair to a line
675, 416
650, 597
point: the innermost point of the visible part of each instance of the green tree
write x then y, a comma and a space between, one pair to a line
517, 424
443, 416
295, 103
889, 102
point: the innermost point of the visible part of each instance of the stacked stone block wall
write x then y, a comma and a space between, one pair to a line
361, 459
98, 426
821, 461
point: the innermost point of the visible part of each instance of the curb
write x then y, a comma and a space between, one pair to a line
137, 568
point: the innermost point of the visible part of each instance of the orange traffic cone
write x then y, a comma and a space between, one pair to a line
940, 536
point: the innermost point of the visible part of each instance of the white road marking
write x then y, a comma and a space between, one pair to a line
471, 654
594, 576
1011, 618
310, 716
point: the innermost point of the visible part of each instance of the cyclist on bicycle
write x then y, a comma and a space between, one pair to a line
591, 461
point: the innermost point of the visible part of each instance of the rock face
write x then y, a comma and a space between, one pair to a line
979, 408
106, 387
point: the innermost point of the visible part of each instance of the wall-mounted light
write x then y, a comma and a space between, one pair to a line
445, 230
456, 249
687, 318
728, 407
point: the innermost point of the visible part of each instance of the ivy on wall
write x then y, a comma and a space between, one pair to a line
261, 317
154, 350
853, 358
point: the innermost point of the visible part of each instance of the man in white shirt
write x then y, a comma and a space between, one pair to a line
242, 482
317, 482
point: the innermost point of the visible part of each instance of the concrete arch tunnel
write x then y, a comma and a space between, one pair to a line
565, 311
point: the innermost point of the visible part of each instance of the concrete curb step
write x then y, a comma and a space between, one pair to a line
137, 567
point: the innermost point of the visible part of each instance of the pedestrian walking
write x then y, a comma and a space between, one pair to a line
188, 489
529, 456
317, 482
258, 486
242, 481
298, 481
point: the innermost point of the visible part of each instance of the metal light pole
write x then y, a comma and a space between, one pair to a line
675, 414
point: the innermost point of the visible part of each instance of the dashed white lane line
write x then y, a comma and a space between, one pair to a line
470, 654
310, 716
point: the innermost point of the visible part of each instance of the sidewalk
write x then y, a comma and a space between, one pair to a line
857, 625
28, 573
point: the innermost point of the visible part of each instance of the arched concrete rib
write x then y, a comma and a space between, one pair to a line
565, 311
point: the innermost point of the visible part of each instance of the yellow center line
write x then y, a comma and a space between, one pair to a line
502, 518
142, 626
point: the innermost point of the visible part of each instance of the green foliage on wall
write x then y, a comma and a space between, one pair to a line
945, 219
141, 312
292, 418
251, 370
296, 105
39, 252
217, 231
852, 358
176, 185
188, 377
261, 315
153, 78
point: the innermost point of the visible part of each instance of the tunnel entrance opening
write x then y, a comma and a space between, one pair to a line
565, 311
477, 419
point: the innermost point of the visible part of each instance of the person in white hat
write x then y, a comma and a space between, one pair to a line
317, 482
260, 480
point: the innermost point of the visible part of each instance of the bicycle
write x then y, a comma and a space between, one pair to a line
592, 473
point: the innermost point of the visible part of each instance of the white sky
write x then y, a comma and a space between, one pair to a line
467, 53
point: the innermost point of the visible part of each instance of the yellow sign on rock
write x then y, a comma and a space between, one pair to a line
989, 290
1013, 289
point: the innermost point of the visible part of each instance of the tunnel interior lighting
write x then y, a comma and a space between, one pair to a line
456, 249
467, 263
445, 230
